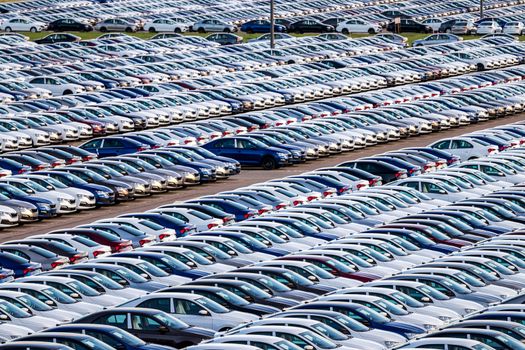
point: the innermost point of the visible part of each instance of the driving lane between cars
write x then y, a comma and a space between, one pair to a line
245, 178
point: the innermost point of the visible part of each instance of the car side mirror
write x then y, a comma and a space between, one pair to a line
123, 282
232, 252
425, 300
49, 187
312, 278
74, 295
4, 317
190, 263
50, 303
204, 312
384, 314
308, 347
26, 310
145, 275
163, 329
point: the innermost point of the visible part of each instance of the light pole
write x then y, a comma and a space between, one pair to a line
480, 9
272, 24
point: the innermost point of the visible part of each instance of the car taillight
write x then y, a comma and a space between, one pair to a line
280, 206
55, 164
398, 174
187, 141
360, 186
453, 160
248, 215
75, 258
27, 271
492, 150
122, 246
56, 264
411, 171
503, 147
145, 241
226, 219
21, 171
265, 126
296, 203
372, 182
212, 225
262, 211
155, 146
140, 149
311, 198
96, 253
183, 231
40, 167
343, 189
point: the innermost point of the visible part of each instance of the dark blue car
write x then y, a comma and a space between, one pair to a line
14, 166
366, 316
261, 26
250, 152
113, 146
20, 266
113, 336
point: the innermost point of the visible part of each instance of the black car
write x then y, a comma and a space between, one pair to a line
310, 26
67, 24
388, 172
150, 325
408, 25
446, 27
58, 38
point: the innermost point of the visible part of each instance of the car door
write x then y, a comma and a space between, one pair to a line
111, 147
462, 148
192, 313
226, 148
93, 146
248, 152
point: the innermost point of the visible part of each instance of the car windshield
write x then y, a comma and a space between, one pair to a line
171, 321
212, 305
152, 269
318, 341
127, 338
371, 314
407, 300
57, 295
106, 282
232, 298
95, 344
82, 288
435, 294
34, 303
10, 309
130, 275
54, 183
329, 332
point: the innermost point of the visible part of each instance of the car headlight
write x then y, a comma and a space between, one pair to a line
102, 194
391, 344
445, 318
469, 310
206, 171
63, 200
429, 327
296, 153
410, 335
43, 206
122, 191
282, 155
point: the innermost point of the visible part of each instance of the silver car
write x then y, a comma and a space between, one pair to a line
213, 25
116, 25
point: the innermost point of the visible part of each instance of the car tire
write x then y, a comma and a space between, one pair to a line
249, 31
448, 30
67, 92
345, 31
33, 30
177, 30
268, 163
371, 31
201, 30
128, 30
227, 30
8, 29
480, 67
151, 30
103, 29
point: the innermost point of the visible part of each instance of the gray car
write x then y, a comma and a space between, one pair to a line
213, 25
49, 260
116, 25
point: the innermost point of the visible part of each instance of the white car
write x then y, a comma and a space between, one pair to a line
436, 189
465, 147
82, 244
433, 23
9, 217
18, 317
488, 28
57, 86
195, 310
20, 24
165, 25
358, 26
201, 220
514, 28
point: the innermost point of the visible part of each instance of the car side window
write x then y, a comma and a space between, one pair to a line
163, 304
117, 320
245, 144
292, 338
93, 144
113, 143
229, 143
430, 188
186, 307
442, 145
141, 322
414, 185
105, 339
16, 252
458, 144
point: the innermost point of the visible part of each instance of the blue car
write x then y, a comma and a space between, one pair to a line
182, 228
21, 267
113, 146
261, 26
366, 316
113, 336
164, 262
14, 166
46, 208
250, 152
241, 212
103, 194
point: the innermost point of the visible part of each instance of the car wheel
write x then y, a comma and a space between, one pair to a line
345, 31
151, 30
472, 158
67, 92
268, 163
8, 29
249, 31
448, 30
371, 31
201, 30
33, 30
177, 30
129, 30
103, 29
480, 66
227, 30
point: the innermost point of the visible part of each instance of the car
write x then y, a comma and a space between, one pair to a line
20, 24
358, 26
267, 37
213, 25
165, 25
113, 146
407, 25
225, 38
310, 26
46, 258
116, 24
514, 28
56, 85
463, 27
75, 340
150, 325
69, 24
35, 345
488, 27
58, 38
436, 39
261, 26
465, 148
